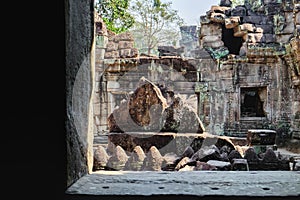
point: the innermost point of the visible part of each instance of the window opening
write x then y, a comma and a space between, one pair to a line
233, 43
251, 102
216, 154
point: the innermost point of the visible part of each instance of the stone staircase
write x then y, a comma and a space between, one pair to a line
243, 127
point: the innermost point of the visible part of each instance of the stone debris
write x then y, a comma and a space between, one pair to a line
153, 160
205, 158
239, 165
187, 168
269, 156
224, 151
234, 154
118, 160
266, 161
207, 153
251, 156
220, 165
147, 110
227, 3
295, 160
180, 117
100, 158
170, 161
136, 159
182, 163
141, 112
188, 152
200, 166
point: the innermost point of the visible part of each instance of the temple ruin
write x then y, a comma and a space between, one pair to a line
243, 73
189, 108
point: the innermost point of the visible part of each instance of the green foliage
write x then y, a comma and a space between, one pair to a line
115, 14
217, 53
237, 2
283, 132
155, 23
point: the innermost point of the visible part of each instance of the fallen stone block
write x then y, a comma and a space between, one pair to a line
170, 160
234, 154
153, 160
147, 110
220, 165
118, 160
182, 163
239, 165
207, 153
100, 158
136, 159
203, 166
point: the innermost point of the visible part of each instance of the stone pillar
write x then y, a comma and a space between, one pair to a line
80, 63
100, 96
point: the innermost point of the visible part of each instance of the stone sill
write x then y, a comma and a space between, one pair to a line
191, 183
252, 118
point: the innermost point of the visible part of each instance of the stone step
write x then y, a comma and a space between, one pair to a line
101, 139
236, 134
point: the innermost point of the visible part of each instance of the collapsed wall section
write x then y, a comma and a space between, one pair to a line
252, 47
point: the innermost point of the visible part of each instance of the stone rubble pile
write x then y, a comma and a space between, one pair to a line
208, 157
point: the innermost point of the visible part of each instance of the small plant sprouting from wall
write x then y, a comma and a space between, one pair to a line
237, 3
283, 134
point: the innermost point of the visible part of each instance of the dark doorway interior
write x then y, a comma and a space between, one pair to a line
251, 103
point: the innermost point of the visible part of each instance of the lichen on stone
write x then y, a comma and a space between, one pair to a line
218, 53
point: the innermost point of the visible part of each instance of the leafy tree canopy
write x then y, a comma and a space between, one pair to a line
115, 14
155, 23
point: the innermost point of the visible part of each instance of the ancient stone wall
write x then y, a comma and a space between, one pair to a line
113, 57
118, 74
79, 87
249, 44
219, 75
244, 52
189, 39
